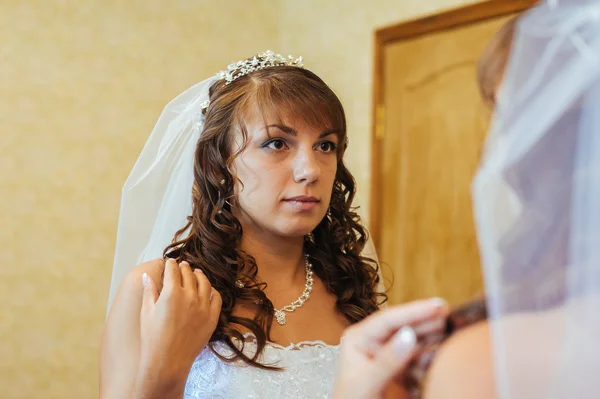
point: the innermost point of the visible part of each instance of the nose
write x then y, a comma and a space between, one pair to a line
306, 167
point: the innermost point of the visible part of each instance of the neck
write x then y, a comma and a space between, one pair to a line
280, 260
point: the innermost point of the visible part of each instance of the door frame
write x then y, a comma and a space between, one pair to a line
403, 31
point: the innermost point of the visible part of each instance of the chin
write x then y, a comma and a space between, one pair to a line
297, 228
296, 232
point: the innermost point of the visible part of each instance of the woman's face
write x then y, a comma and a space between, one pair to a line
287, 171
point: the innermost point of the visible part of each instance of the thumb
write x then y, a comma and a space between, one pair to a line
395, 355
150, 294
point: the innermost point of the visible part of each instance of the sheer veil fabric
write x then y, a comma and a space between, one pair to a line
536, 200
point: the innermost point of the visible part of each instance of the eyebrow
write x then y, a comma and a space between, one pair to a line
292, 132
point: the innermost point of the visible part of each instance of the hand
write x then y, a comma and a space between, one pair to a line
376, 351
175, 325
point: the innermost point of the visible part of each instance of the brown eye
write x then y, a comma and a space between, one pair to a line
276, 145
327, 146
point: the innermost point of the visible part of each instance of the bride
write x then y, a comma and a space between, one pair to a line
251, 258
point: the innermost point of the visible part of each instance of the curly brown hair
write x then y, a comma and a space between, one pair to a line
213, 234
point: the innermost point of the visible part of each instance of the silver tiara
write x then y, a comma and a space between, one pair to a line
260, 61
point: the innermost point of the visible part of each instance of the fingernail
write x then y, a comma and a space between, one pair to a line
145, 280
198, 270
438, 302
404, 340
184, 263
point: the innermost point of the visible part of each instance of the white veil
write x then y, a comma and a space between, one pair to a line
157, 196
537, 207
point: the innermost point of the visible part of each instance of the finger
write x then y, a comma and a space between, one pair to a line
394, 356
432, 326
215, 305
203, 285
150, 293
172, 274
378, 328
188, 280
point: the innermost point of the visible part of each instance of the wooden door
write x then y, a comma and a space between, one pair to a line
432, 125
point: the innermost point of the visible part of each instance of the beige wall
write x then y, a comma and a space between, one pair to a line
81, 85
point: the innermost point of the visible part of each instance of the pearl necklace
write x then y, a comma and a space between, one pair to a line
308, 286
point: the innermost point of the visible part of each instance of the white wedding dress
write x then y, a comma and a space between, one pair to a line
309, 372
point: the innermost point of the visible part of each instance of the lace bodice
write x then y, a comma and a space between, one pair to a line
309, 372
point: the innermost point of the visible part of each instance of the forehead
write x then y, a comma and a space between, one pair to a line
258, 116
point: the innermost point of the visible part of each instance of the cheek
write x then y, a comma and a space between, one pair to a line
246, 167
259, 182
328, 172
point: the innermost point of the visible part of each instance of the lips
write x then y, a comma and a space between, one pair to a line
302, 198
302, 203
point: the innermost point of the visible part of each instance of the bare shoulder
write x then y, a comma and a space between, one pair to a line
120, 346
463, 367
154, 268
129, 295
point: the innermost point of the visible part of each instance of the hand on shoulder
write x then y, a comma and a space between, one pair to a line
163, 316
176, 325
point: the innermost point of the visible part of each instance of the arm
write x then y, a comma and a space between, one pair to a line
120, 347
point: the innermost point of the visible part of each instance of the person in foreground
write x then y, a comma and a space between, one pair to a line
535, 201
251, 258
